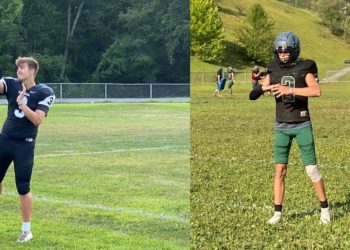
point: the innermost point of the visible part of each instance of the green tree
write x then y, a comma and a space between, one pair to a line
206, 31
44, 31
10, 27
332, 14
128, 41
176, 32
71, 25
152, 45
346, 26
99, 25
118, 64
256, 34
302, 4
50, 67
134, 51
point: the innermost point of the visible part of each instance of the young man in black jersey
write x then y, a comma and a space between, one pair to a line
292, 81
28, 105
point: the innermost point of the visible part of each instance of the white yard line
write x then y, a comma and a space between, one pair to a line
106, 208
108, 152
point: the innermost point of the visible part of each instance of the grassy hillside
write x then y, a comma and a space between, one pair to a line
316, 41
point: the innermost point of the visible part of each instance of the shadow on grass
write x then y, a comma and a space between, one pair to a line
229, 11
339, 210
304, 213
236, 56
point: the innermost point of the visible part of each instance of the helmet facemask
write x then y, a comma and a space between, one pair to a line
289, 43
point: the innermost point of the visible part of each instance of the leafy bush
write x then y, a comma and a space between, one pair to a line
207, 34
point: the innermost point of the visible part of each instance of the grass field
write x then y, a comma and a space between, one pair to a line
232, 172
106, 176
345, 77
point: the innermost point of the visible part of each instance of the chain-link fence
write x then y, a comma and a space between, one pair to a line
245, 76
119, 92
137, 92
210, 77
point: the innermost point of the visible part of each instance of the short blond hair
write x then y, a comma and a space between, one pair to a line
30, 61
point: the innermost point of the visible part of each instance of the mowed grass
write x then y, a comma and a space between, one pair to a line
106, 176
232, 171
345, 77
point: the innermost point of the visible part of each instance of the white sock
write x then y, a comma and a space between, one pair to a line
26, 226
277, 213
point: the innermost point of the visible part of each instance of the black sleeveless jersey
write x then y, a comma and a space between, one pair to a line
289, 108
16, 125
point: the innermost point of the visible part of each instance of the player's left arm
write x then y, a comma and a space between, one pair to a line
312, 89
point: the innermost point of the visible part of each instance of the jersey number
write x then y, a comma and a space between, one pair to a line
48, 101
18, 112
290, 82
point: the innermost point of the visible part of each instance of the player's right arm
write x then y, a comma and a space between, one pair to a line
2, 86
260, 88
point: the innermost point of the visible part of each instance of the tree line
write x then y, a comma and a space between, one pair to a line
98, 41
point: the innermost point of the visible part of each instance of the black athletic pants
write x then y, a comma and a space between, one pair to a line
21, 153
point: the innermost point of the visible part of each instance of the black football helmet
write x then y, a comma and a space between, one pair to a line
287, 42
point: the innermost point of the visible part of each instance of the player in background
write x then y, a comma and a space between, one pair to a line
230, 78
255, 76
28, 105
292, 81
219, 78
